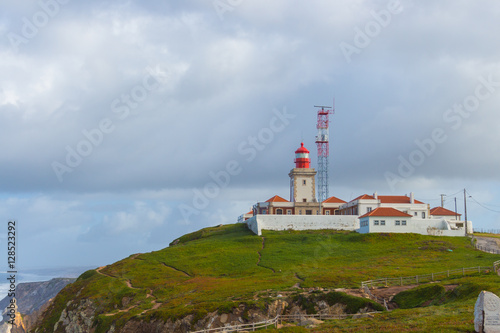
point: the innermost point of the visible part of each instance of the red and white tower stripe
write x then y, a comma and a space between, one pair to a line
323, 145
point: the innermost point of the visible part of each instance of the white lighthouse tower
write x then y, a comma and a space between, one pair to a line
302, 178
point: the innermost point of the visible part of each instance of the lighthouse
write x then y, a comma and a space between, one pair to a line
302, 178
302, 160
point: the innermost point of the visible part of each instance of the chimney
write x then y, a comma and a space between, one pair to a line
412, 199
375, 195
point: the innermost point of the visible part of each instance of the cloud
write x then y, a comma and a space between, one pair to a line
220, 82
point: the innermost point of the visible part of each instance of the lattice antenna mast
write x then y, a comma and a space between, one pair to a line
323, 149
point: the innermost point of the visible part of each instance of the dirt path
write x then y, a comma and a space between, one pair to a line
389, 292
98, 270
149, 294
129, 284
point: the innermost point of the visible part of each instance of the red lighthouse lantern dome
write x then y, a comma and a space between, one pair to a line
302, 160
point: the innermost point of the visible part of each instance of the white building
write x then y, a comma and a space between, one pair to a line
365, 214
441, 212
391, 220
366, 203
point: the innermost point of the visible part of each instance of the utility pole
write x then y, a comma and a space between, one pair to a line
442, 199
456, 214
465, 210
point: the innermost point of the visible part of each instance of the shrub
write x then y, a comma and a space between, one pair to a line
419, 296
353, 304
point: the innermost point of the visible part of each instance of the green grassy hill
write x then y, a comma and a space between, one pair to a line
221, 267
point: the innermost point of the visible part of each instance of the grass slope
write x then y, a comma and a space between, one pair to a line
217, 268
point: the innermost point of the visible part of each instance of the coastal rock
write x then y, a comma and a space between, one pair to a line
310, 322
18, 326
33, 295
77, 318
276, 308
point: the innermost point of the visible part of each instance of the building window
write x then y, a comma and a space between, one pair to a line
327, 212
376, 222
398, 222
416, 213
423, 215
288, 212
304, 182
368, 209
317, 212
300, 211
403, 222
304, 200
309, 212
264, 211
279, 211
382, 222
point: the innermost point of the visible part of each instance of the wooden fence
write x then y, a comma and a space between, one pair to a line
417, 279
243, 327
487, 231
280, 319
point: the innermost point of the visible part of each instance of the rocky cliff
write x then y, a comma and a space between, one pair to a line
81, 316
31, 299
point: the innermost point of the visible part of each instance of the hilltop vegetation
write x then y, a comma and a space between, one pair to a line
216, 269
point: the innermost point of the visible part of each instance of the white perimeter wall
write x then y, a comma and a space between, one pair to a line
302, 222
434, 227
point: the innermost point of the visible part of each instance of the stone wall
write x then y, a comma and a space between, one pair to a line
302, 222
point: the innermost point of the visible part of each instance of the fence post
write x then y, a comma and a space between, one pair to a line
401, 279
386, 282
479, 269
463, 271
432, 276
416, 278
448, 271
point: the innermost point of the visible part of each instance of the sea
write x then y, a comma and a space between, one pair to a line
39, 275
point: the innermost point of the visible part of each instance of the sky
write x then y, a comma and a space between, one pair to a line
126, 124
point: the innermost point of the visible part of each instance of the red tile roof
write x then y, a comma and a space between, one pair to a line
440, 211
364, 196
387, 198
334, 200
277, 198
386, 211
396, 199
250, 212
